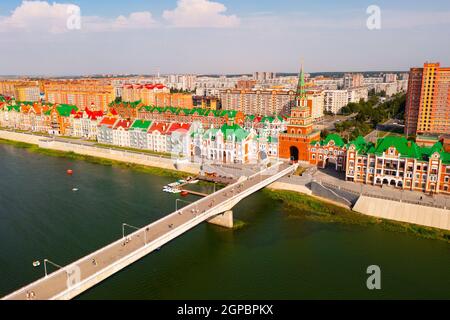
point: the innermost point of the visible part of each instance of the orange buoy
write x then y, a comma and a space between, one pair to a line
70, 172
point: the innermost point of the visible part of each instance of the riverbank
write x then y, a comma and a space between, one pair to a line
307, 206
96, 160
300, 206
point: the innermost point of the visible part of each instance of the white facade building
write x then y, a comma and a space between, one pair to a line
335, 100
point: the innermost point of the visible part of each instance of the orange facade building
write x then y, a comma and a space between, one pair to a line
93, 94
428, 100
294, 143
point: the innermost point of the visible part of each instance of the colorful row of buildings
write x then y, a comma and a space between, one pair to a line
392, 160
226, 136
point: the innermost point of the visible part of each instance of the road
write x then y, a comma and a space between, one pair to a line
390, 125
329, 121
60, 280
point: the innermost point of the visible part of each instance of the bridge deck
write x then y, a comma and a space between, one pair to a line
161, 231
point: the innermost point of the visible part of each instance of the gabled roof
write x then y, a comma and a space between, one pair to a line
139, 124
65, 110
406, 148
124, 124
331, 137
178, 126
108, 122
162, 127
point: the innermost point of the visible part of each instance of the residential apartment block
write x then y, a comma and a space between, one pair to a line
21, 90
353, 80
335, 100
428, 100
93, 94
258, 102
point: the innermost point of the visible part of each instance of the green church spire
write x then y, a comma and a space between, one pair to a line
301, 92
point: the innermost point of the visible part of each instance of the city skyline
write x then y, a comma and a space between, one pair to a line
219, 37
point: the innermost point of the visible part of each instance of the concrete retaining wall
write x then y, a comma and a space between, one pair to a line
404, 212
112, 154
21, 137
290, 187
325, 192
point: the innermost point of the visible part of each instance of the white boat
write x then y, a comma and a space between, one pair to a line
193, 181
173, 184
75, 189
36, 263
181, 181
176, 190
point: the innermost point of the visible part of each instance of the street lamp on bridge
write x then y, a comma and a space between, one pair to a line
133, 227
52, 263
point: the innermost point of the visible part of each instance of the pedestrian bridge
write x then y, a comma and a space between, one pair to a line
77, 277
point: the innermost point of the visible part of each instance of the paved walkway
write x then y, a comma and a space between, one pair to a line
337, 180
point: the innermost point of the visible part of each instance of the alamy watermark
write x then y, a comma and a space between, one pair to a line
373, 22
74, 17
374, 280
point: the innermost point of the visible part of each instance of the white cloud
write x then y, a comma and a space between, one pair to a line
200, 13
41, 16
37, 16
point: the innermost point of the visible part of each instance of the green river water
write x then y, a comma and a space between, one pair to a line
274, 256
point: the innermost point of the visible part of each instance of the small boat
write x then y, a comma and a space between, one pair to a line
167, 189
181, 181
176, 191
69, 172
74, 189
193, 181
173, 184
36, 263
184, 193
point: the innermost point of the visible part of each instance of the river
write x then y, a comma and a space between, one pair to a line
274, 256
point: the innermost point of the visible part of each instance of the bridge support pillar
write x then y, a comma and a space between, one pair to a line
224, 219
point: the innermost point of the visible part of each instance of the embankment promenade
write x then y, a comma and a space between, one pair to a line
381, 208
91, 150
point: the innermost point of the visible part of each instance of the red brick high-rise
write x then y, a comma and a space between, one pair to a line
428, 100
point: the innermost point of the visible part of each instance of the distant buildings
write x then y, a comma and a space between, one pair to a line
155, 95
93, 94
206, 102
258, 102
182, 82
357, 94
146, 93
353, 80
335, 100
262, 76
21, 90
316, 102
428, 100
390, 77
245, 84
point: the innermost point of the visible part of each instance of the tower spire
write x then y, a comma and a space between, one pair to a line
301, 92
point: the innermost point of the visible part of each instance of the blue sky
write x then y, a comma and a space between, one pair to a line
220, 36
